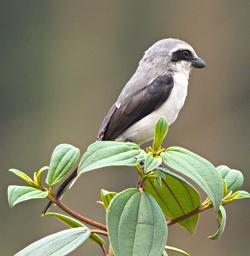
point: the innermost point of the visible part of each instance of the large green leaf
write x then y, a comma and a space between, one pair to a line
233, 178
18, 194
198, 169
161, 130
136, 224
73, 223
59, 244
62, 160
110, 153
222, 217
176, 197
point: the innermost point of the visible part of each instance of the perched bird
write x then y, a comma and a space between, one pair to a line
158, 88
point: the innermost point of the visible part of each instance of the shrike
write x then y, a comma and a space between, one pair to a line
158, 88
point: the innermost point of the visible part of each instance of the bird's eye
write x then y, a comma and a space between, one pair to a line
186, 53
182, 55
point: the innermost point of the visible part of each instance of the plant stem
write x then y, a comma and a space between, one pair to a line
101, 232
199, 209
111, 253
75, 214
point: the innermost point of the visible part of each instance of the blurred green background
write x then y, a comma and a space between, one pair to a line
63, 63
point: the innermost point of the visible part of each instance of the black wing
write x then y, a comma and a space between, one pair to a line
139, 105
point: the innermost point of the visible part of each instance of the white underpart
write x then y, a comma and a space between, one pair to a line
143, 130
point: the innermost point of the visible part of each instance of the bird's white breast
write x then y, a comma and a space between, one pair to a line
175, 102
143, 130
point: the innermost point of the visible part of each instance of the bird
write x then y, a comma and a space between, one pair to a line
158, 88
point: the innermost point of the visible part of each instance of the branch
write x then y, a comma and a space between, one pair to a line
101, 232
77, 215
199, 209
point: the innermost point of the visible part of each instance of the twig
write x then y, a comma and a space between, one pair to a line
101, 232
111, 253
199, 209
75, 214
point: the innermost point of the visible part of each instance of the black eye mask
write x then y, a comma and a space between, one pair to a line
182, 55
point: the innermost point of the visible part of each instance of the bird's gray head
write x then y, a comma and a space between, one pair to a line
172, 55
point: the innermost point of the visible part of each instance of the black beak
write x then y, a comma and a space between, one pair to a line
198, 63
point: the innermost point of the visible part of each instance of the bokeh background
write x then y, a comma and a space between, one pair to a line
62, 65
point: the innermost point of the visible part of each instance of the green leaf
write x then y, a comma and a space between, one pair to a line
73, 223
235, 196
22, 175
18, 194
106, 197
233, 178
157, 183
161, 130
58, 244
136, 224
62, 160
110, 153
221, 224
38, 176
238, 195
176, 197
198, 169
97, 239
151, 162
174, 249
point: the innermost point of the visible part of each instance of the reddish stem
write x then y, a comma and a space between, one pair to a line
77, 215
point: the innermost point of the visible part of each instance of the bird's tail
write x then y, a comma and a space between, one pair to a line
62, 188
